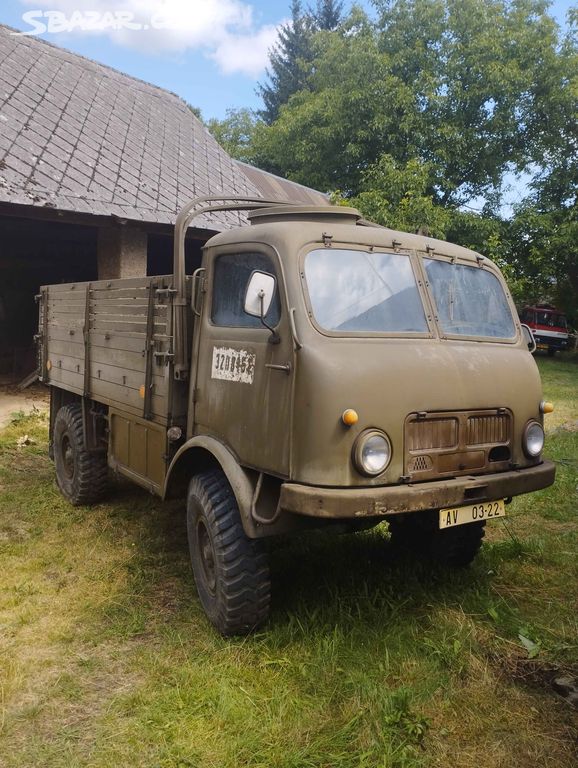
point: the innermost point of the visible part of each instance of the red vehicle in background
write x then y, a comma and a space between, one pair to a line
548, 325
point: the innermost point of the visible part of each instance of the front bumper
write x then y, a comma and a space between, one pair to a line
551, 342
413, 497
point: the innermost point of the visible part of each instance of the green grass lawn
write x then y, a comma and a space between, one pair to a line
369, 659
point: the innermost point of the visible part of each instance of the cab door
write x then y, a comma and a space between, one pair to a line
244, 383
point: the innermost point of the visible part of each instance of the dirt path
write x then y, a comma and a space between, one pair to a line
13, 401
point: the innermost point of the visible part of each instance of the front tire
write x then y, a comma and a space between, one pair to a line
231, 571
81, 475
452, 547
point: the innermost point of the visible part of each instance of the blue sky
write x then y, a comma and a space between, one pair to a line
210, 52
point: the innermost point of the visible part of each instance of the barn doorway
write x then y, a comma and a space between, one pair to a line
34, 253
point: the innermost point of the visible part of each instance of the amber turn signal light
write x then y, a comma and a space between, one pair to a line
349, 417
546, 407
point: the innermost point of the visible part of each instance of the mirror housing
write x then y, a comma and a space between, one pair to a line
259, 294
258, 297
529, 337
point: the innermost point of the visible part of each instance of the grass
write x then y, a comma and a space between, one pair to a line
369, 660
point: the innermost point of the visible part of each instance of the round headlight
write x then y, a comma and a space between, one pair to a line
533, 442
372, 453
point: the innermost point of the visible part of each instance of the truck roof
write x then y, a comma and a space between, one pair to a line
276, 226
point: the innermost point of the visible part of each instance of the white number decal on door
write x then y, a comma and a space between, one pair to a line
233, 365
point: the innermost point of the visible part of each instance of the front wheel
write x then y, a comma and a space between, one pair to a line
231, 571
419, 532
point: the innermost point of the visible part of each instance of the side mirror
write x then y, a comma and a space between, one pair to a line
258, 297
259, 294
529, 337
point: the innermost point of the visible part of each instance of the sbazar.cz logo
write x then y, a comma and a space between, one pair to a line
55, 22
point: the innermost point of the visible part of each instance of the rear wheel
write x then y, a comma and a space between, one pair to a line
420, 533
231, 571
81, 475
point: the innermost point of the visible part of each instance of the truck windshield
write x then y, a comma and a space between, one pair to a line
470, 301
357, 291
551, 319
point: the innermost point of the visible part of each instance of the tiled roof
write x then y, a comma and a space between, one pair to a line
79, 136
274, 187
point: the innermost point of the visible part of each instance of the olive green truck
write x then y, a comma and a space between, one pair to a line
316, 371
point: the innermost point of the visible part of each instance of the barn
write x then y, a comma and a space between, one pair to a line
94, 166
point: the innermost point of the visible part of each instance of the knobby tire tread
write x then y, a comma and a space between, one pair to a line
244, 587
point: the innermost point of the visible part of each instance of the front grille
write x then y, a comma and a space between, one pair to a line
427, 434
449, 444
488, 428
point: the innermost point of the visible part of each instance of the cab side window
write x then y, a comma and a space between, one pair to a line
231, 275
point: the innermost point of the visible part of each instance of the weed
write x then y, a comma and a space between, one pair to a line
17, 417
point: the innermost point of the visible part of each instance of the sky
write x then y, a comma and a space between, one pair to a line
213, 53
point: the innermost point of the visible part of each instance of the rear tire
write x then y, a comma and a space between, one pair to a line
231, 571
451, 547
81, 475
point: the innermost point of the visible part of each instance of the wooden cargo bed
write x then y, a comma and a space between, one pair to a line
112, 341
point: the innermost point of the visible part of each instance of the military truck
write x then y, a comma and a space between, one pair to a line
316, 371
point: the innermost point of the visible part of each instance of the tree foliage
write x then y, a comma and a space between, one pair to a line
291, 60
423, 111
289, 63
327, 14
397, 195
235, 133
544, 229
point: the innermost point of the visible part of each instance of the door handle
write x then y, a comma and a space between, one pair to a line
197, 290
286, 367
296, 343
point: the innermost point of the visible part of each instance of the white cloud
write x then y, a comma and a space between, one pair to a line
247, 53
225, 30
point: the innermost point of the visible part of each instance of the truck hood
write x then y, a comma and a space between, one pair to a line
385, 381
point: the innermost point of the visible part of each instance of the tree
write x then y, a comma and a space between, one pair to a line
544, 241
544, 229
456, 84
235, 133
396, 196
327, 15
352, 112
422, 112
288, 63
477, 69
196, 111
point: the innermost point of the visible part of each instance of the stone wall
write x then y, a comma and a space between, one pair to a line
121, 252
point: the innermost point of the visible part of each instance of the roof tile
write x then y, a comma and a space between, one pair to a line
108, 144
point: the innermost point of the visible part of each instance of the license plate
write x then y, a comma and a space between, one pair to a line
541, 346
487, 510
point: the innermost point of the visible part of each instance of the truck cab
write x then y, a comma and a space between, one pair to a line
321, 371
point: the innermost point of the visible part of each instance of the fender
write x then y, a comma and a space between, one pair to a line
238, 478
